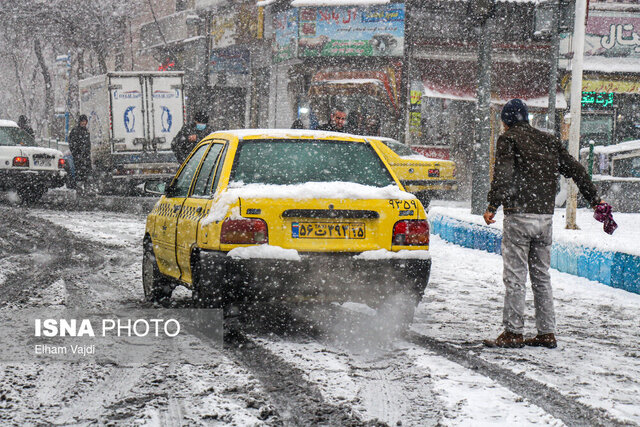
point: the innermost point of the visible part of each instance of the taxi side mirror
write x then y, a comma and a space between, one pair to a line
156, 187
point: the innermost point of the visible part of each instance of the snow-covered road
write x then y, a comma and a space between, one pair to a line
330, 366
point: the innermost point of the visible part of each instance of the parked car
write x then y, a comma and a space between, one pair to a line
268, 215
26, 168
420, 175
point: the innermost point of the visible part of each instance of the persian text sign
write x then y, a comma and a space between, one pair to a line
612, 34
285, 34
611, 86
351, 31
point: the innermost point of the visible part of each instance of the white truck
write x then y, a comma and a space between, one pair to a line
133, 117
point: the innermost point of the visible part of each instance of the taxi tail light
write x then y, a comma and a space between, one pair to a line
411, 233
244, 231
61, 163
454, 172
21, 161
434, 173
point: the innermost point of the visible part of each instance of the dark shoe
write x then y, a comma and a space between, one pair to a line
543, 340
506, 340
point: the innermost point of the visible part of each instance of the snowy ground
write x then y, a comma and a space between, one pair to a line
343, 370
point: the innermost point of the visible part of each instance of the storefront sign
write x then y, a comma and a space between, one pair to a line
285, 34
612, 34
611, 86
233, 60
223, 31
351, 31
415, 113
597, 100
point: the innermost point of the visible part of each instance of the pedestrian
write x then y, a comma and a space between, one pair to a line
23, 123
188, 137
80, 147
337, 120
527, 165
297, 124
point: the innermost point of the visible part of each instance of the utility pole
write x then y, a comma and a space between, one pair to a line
480, 179
576, 105
553, 70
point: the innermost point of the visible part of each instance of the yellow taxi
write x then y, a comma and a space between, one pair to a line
420, 175
293, 215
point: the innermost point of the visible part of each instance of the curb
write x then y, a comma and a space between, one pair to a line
615, 269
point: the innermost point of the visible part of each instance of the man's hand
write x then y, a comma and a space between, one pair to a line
192, 138
488, 217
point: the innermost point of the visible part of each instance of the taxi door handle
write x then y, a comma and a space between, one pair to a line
176, 208
199, 209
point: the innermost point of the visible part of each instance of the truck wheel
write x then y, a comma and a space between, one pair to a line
156, 287
206, 291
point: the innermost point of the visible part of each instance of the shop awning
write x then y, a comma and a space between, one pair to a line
373, 83
456, 80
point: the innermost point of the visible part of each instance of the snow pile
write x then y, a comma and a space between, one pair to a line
386, 254
306, 191
264, 252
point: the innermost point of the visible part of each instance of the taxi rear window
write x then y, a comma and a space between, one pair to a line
290, 161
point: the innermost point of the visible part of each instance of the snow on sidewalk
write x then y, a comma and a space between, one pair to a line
598, 356
624, 239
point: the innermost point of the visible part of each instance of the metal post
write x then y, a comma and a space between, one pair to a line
576, 105
553, 68
480, 179
591, 146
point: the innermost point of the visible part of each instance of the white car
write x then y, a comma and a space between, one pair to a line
26, 168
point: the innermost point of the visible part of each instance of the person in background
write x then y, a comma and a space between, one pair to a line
80, 147
23, 123
297, 124
527, 164
337, 120
187, 138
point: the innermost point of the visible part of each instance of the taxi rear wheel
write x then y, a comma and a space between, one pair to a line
156, 287
397, 310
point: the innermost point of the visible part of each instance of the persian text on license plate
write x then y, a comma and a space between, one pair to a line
327, 230
42, 162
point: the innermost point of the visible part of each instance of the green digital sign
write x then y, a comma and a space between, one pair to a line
597, 99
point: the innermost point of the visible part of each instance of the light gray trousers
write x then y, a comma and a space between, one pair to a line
526, 242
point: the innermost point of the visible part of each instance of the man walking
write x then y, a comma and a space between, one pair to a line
527, 165
80, 147
337, 121
189, 135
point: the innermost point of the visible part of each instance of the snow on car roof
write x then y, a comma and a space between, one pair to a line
8, 123
289, 133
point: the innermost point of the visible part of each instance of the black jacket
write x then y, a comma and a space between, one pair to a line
330, 127
181, 145
528, 163
80, 147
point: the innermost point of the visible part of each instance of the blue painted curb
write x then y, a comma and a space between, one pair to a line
616, 269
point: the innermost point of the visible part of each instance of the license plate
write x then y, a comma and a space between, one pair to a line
42, 162
327, 230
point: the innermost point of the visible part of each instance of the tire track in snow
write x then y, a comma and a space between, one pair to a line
297, 401
567, 409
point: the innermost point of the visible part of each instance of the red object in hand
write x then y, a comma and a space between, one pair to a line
603, 213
